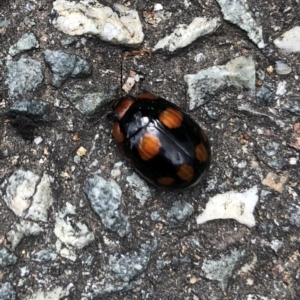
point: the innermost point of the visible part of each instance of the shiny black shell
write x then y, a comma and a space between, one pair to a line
163, 143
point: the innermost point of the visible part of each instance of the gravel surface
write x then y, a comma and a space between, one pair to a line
77, 222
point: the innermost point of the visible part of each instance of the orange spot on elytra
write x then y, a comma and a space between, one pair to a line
201, 153
123, 106
147, 96
185, 172
165, 180
149, 146
117, 133
171, 118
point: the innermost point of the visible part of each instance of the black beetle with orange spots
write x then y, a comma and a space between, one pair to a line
164, 144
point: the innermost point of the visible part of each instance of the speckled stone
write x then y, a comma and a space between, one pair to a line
130, 265
23, 76
293, 106
26, 42
265, 95
7, 292
33, 109
180, 211
7, 258
64, 65
105, 198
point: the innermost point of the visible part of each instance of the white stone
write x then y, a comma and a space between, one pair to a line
139, 187
184, 35
231, 205
239, 72
78, 236
116, 170
68, 254
282, 68
20, 188
293, 160
290, 41
276, 245
281, 88
42, 200
122, 26
157, 7
237, 13
199, 57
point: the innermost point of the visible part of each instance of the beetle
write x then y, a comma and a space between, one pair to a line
163, 144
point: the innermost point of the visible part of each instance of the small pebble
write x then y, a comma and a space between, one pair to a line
77, 159
81, 151
265, 95
270, 69
38, 140
282, 68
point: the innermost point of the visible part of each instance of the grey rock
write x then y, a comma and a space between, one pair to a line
64, 65
289, 41
180, 211
239, 72
282, 68
277, 164
212, 114
93, 102
105, 198
29, 22
6, 258
88, 261
7, 292
265, 195
265, 95
237, 13
73, 95
160, 264
4, 23
246, 108
155, 216
131, 264
271, 148
44, 255
139, 188
24, 271
26, 42
221, 270
68, 41
294, 215
266, 228
77, 159
30, 6
98, 291
261, 74
23, 76
293, 107
36, 110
